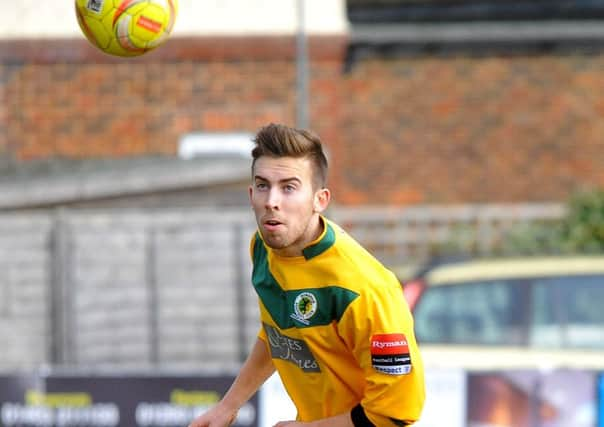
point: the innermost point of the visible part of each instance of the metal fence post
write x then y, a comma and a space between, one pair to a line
151, 275
62, 350
240, 283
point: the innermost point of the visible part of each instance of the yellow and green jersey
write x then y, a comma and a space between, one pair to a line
339, 331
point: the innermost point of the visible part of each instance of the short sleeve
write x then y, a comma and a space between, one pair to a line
378, 328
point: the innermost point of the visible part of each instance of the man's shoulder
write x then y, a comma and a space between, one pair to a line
358, 268
348, 248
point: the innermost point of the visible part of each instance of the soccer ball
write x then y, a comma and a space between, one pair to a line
126, 27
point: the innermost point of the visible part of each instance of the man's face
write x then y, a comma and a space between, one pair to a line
286, 206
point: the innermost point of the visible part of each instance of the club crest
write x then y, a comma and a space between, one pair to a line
305, 306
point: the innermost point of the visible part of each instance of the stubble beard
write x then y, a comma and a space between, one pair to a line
274, 241
295, 238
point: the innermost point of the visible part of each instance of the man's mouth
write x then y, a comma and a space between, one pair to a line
271, 224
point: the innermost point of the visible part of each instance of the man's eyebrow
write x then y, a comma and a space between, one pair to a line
293, 178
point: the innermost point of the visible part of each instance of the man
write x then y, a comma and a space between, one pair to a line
335, 324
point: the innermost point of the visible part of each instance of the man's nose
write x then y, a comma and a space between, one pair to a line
273, 199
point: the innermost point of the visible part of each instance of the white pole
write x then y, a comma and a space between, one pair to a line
302, 120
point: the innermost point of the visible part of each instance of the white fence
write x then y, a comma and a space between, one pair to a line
171, 288
400, 235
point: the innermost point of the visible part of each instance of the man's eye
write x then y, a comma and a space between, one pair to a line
261, 186
289, 188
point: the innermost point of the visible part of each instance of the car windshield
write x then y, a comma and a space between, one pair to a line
568, 312
559, 312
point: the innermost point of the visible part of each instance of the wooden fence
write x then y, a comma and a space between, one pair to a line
171, 288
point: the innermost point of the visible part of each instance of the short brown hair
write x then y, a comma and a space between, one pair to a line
277, 140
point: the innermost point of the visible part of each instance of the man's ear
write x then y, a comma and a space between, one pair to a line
321, 201
249, 192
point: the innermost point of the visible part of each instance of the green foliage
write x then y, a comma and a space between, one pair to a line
581, 230
532, 239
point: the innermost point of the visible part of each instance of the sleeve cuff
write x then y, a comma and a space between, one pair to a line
359, 419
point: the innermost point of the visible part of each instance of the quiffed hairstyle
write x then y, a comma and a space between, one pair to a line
276, 140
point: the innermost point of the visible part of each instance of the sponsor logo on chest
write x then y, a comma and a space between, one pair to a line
291, 350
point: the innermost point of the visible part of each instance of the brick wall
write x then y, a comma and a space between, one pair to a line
421, 129
464, 129
63, 99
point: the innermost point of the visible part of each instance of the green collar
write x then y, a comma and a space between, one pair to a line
324, 242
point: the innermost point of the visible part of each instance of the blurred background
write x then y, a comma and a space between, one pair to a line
457, 131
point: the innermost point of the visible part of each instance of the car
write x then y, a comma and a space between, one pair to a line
533, 312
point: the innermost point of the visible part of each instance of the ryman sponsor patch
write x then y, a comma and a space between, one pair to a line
390, 354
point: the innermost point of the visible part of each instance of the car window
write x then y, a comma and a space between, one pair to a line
568, 312
489, 313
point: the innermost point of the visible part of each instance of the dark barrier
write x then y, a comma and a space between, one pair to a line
514, 398
532, 398
601, 401
113, 401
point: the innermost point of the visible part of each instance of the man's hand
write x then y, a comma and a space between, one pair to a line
254, 372
290, 424
215, 417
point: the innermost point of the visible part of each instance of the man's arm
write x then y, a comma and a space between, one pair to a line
342, 420
254, 372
